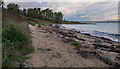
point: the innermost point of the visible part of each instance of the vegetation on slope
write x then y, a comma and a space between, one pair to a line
13, 39
16, 42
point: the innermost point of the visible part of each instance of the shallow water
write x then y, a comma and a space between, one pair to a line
106, 30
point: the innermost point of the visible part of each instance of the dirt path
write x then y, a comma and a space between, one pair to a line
50, 51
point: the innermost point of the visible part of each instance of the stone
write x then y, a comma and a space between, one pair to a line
108, 57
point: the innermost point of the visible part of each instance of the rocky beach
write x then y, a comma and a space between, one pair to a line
53, 49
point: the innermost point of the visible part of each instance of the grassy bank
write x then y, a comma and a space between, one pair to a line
16, 42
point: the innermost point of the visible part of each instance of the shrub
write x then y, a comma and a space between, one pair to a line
76, 44
12, 39
13, 35
33, 24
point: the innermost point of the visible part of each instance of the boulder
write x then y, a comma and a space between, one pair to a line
108, 57
67, 39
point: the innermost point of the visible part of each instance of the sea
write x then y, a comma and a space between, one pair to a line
107, 30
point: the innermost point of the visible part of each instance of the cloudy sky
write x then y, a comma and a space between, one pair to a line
78, 11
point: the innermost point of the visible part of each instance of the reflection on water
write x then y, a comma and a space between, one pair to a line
107, 30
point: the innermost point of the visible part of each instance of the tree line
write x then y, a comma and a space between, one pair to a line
37, 13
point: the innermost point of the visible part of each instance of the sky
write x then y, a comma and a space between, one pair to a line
94, 10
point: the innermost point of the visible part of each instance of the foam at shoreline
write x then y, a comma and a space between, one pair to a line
113, 37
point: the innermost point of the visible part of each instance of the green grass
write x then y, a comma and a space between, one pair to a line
76, 44
16, 43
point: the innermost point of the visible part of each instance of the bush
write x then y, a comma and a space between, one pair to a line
12, 41
76, 44
33, 24
13, 35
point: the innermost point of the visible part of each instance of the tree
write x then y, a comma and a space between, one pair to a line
43, 14
1, 3
20, 11
58, 16
24, 12
35, 12
29, 12
39, 10
46, 14
39, 13
49, 14
13, 7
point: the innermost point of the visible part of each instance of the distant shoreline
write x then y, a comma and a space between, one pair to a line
74, 22
88, 22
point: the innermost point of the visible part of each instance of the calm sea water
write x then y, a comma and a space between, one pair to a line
106, 30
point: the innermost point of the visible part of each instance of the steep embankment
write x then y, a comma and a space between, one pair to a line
51, 51
17, 39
